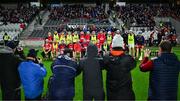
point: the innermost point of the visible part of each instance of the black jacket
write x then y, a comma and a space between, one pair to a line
9, 76
119, 81
92, 74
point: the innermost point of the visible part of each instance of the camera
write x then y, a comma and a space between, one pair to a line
154, 53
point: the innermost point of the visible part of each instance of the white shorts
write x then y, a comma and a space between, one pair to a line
131, 45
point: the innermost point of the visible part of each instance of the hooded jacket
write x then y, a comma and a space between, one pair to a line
163, 81
9, 76
92, 74
119, 81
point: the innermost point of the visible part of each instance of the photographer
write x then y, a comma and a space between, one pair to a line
61, 83
32, 73
164, 71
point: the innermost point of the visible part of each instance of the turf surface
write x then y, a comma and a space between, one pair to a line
140, 80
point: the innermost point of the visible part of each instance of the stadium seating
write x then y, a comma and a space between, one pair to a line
10, 27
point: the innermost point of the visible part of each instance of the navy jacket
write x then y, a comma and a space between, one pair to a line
61, 84
164, 78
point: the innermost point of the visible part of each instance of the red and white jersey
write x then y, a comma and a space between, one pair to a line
82, 37
77, 47
50, 39
101, 37
84, 46
88, 37
62, 47
70, 46
47, 46
98, 46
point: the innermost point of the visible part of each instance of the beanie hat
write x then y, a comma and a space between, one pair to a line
118, 31
117, 41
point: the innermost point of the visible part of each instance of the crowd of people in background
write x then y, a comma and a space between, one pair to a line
20, 15
143, 15
77, 11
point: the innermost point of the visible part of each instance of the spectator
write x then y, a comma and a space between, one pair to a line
164, 71
9, 76
32, 73
61, 84
131, 43
92, 75
118, 66
139, 45
6, 38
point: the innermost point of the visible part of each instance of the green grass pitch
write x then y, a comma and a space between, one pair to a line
140, 80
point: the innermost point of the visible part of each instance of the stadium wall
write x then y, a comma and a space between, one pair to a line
32, 42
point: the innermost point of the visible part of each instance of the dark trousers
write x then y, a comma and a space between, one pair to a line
38, 98
10, 94
99, 96
124, 93
63, 94
5, 42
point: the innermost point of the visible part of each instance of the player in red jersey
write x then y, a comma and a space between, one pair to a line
101, 37
71, 47
84, 48
77, 51
50, 38
46, 50
62, 47
98, 46
82, 37
88, 37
